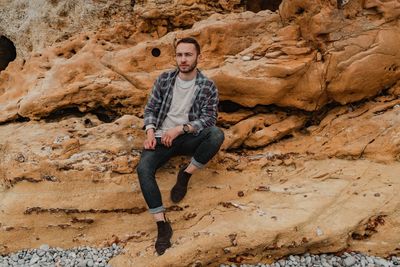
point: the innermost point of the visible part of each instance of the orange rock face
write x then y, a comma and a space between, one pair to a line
308, 103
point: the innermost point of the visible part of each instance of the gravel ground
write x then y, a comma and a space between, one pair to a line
57, 257
351, 259
88, 257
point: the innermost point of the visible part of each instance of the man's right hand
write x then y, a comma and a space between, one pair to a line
150, 142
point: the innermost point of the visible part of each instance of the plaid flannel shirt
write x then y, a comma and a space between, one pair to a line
204, 104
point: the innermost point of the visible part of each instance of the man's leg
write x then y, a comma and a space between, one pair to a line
149, 162
203, 148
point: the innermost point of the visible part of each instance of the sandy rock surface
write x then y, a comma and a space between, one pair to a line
309, 106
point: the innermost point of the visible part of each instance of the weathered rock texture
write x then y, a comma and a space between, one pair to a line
34, 25
309, 105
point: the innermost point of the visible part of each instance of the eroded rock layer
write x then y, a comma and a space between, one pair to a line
309, 106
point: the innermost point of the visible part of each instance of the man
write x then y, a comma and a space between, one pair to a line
179, 119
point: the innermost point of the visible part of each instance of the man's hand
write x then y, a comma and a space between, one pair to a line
150, 142
170, 135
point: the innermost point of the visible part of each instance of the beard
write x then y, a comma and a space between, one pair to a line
188, 69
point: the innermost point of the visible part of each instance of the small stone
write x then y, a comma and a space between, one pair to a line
40, 252
319, 231
44, 247
381, 262
34, 259
89, 263
349, 261
82, 263
319, 56
246, 58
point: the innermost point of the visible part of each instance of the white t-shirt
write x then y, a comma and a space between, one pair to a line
178, 113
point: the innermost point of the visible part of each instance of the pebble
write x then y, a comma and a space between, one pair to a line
246, 58
44, 247
47, 256
349, 261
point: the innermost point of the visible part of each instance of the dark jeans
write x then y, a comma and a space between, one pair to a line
201, 147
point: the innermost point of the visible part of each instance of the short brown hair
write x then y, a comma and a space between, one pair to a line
190, 40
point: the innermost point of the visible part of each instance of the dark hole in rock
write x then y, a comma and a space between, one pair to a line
88, 123
64, 113
7, 52
156, 52
315, 117
258, 5
300, 11
105, 115
22, 119
229, 106
288, 136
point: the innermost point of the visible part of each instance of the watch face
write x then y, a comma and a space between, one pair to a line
186, 128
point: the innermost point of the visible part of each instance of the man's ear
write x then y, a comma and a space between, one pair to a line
199, 57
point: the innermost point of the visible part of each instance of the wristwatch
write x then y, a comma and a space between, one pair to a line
186, 128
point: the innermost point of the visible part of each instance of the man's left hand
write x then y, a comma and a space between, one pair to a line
170, 135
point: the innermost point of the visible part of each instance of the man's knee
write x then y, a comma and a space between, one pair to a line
142, 169
216, 135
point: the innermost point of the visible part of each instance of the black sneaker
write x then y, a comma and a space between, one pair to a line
163, 237
179, 190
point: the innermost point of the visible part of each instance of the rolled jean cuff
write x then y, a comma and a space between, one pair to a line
157, 210
197, 164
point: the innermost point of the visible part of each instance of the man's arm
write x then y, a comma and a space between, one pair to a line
150, 115
150, 141
209, 111
153, 106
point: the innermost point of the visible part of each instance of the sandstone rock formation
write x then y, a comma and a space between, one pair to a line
36, 25
309, 106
